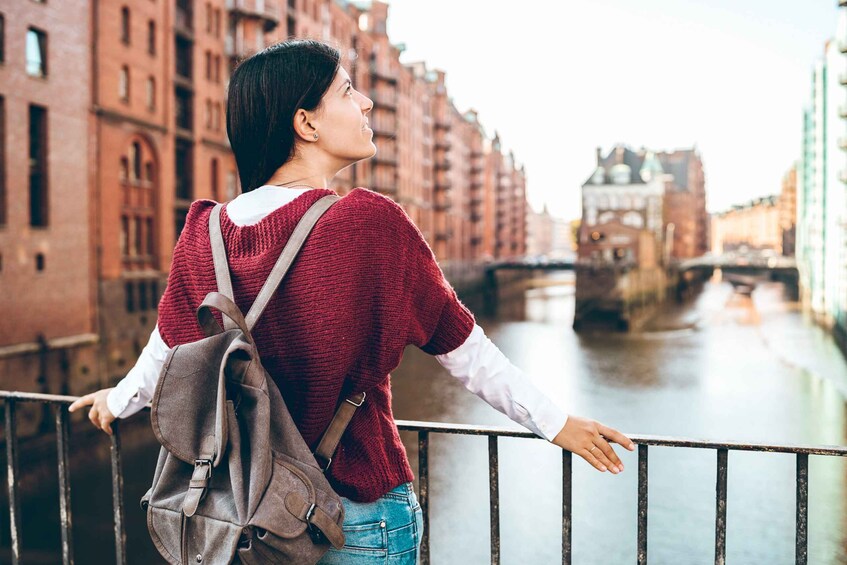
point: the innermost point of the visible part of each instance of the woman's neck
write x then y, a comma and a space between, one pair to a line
300, 174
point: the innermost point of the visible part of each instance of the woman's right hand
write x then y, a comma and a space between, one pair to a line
590, 440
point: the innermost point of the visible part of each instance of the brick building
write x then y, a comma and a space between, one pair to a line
125, 123
754, 225
685, 202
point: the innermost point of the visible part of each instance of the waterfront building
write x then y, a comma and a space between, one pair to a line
753, 226
685, 202
788, 212
48, 332
115, 162
821, 203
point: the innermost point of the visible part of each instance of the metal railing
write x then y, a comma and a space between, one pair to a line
423, 429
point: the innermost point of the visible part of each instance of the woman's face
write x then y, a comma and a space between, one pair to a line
342, 122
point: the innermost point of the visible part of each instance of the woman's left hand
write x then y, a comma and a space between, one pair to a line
100, 415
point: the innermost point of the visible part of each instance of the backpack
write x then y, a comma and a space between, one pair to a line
235, 482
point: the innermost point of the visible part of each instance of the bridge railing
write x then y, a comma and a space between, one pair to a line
424, 430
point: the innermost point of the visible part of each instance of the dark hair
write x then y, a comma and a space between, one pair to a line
265, 91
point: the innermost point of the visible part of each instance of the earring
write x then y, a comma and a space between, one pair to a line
316, 136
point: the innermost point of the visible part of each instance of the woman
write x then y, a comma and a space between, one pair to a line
364, 286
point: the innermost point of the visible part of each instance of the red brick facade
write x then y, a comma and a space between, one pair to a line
133, 113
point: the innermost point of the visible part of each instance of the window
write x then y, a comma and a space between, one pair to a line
231, 186
208, 114
148, 172
151, 37
130, 297
208, 17
217, 68
184, 166
208, 65
183, 109
151, 93
125, 25
38, 216
39, 262
136, 161
124, 169
36, 53
214, 181
183, 58
217, 22
123, 84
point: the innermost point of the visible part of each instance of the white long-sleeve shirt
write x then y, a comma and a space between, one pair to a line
478, 363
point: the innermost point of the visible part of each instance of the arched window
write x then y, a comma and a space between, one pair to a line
148, 171
151, 37
136, 161
124, 169
123, 84
125, 25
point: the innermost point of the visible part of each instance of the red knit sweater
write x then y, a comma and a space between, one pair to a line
364, 286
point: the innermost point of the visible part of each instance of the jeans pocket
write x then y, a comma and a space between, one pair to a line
363, 544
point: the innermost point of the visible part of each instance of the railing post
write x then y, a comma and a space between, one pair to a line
720, 514
494, 498
12, 479
801, 550
117, 496
642, 504
423, 488
64, 484
567, 504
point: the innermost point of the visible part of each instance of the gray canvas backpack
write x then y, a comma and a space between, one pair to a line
235, 482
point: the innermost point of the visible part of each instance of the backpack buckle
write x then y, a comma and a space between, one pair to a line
206, 465
360, 402
322, 468
314, 532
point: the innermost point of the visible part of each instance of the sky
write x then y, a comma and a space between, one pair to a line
558, 78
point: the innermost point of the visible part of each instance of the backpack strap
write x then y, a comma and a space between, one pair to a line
336, 428
292, 247
219, 258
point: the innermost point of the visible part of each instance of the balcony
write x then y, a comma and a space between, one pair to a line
444, 165
266, 10
476, 201
384, 130
443, 235
382, 74
385, 158
386, 100
443, 184
476, 217
446, 126
476, 169
476, 240
443, 144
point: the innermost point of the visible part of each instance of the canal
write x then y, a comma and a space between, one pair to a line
723, 366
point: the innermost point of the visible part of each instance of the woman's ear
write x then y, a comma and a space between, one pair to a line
302, 125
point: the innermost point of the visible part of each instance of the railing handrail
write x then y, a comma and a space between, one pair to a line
423, 429
471, 429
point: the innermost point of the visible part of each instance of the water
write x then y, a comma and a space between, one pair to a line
722, 367
726, 367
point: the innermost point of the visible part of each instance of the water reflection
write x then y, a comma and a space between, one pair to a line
723, 367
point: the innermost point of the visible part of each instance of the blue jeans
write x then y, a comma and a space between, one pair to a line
387, 530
